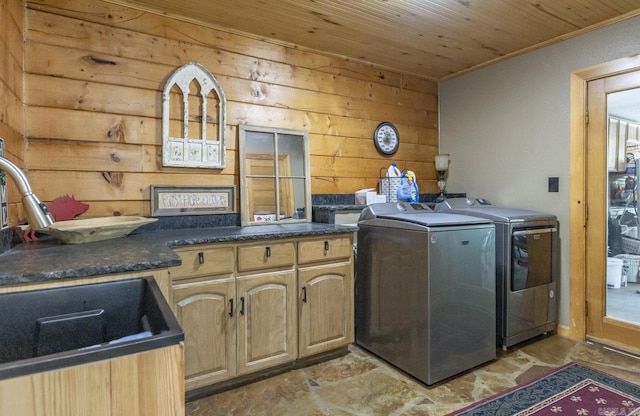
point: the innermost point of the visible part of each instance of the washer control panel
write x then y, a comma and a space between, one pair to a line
457, 203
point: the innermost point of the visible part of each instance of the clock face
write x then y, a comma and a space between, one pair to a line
386, 138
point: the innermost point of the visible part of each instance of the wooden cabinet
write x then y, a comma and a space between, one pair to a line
252, 306
266, 256
148, 383
204, 261
267, 327
622, 136
326, 311
267, 324
325, 278
206, 315
325, 249
203, 294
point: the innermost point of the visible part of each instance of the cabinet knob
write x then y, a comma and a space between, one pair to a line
231, 307
326, 246
268, 251
304, 294
242, 305
201, 257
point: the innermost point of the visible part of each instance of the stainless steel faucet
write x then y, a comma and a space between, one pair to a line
37, 213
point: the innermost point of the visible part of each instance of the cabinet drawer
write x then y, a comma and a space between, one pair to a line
329, 248
203, 261
264, 256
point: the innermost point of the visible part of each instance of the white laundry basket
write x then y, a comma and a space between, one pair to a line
630, 266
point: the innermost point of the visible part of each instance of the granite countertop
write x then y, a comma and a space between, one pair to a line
340, 207
47, 259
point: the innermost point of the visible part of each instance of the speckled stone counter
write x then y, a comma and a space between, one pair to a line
47, 259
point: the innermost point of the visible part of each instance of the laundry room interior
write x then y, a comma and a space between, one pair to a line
324, 207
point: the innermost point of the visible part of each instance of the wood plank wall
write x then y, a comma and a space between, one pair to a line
11, 108
94, 74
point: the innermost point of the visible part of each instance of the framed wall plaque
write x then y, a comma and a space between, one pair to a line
192, 200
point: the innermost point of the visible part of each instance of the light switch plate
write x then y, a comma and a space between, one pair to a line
554, 184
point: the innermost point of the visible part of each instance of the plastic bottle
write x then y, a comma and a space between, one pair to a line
393, 171
408, 190
413, 189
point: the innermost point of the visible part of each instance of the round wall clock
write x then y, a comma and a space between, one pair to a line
386, 138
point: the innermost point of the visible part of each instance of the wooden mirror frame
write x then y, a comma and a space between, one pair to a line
284, 198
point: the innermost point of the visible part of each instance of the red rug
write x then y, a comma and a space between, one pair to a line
572, 389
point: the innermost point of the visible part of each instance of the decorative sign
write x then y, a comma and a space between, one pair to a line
192, 200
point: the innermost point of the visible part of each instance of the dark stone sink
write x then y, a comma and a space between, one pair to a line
47, 329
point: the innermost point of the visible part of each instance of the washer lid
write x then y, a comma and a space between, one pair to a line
436, 219
505, 214
482, 208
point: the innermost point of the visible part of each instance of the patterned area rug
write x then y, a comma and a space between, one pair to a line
570, 390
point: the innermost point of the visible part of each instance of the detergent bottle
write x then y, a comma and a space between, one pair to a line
408, 190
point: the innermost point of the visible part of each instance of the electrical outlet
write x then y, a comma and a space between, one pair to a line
554, 184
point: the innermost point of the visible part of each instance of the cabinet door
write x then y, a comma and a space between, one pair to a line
267, 330
205, 312
326, 311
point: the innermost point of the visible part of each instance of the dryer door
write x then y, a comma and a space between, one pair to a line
532, 257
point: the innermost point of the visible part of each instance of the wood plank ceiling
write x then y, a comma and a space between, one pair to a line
435, 39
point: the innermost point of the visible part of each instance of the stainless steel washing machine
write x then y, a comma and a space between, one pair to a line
425, 289
527, 268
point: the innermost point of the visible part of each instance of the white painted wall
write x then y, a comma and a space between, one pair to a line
506, 127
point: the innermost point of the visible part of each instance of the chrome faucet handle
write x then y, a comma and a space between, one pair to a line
37, 213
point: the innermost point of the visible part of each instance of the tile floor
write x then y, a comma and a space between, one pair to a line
359, 384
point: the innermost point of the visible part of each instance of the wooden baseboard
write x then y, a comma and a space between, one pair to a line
564, 331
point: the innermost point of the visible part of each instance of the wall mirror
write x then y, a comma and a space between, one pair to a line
275, 180
190, 99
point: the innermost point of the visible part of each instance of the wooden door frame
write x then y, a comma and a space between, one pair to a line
577, 192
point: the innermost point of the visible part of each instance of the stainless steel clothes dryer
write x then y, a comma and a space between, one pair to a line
425, 289
527, 268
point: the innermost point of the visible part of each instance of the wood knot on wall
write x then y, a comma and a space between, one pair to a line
99, 61
114, 178
117, 133
257, 92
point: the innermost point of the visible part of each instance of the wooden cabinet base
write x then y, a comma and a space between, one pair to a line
261, 375
149, 383
252, 309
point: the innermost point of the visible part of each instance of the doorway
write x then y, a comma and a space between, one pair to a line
600, 205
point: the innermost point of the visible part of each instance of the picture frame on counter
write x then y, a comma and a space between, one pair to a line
169, 200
